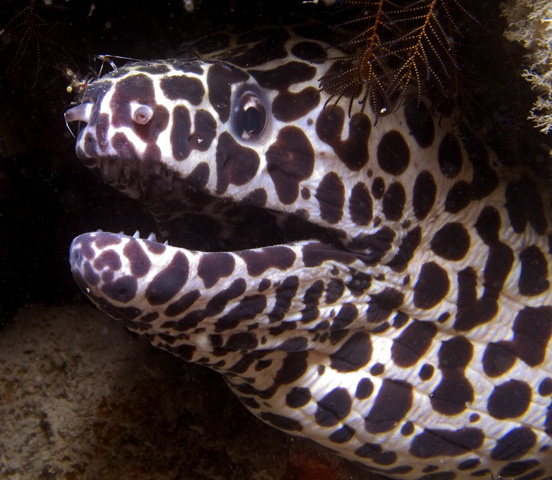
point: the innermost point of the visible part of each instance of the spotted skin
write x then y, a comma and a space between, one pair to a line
381, 289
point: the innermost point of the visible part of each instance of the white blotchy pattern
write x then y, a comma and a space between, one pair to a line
403, 314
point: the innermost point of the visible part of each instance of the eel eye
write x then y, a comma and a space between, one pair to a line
249, 117
142, 114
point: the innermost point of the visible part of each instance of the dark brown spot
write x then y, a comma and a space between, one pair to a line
408, 246
383, 304
293, 368
284, 76
364, 389
122, 290
353, 152
259, 261
432, 286
243, 341
450, 156
181, 87
124, 148
102, 127
454, 391
257, 198
205, 130
135, 88
440, 442
376, 453
199, 175
140, 263
392, 403
290, 160
424, 193
236, 164
283, 423
285, 293
509, 399
458, 197
108, 259
393, 153
498, 359
311, 300
378, 188
310, 51
534, 272
220, 78
412, 343
360, 204
290, 106
217, 304
334, 291
545, 387
514, 445
214, 266
315, 254
377, 369
169, 281
393, 201
333, 407
295, 344
331, 198
182, 304
473, 311
376, 244
426, 372
532, 332
344, 434
451, 242
515, 469
469, 464
347, 313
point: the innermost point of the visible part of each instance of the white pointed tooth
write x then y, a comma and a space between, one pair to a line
126, 170
136, 234
152, 237
166, 243
142, 182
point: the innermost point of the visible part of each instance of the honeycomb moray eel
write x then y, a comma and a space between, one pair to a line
383, 290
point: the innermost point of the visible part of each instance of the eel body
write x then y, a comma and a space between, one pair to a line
381, 289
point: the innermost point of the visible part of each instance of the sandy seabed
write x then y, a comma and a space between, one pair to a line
82, 398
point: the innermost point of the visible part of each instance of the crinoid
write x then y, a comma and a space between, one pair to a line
402, 44
35, 34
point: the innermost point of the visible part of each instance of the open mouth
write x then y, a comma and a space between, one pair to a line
190, 218
208, 241
187, 215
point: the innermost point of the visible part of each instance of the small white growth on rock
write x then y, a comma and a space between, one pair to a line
530, 24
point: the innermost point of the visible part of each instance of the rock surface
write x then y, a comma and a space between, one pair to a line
82, 398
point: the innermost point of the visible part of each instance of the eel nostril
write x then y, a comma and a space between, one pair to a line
142, 114
79, 113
